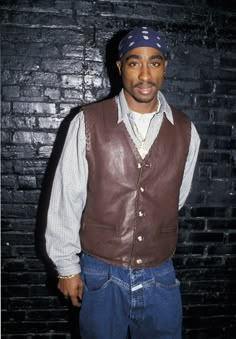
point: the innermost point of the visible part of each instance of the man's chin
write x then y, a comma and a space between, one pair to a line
144, 100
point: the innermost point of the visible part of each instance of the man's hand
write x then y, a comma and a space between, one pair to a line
72, 288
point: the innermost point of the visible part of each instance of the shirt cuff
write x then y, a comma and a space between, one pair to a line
69, 269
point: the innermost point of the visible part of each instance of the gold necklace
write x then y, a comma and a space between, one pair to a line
141, 139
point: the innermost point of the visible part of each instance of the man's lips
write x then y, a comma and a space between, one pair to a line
145, 89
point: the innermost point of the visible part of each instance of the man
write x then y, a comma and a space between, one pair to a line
125, 170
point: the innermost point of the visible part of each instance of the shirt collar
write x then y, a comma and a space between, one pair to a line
123, 109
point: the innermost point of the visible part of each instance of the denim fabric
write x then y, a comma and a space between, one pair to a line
121, 303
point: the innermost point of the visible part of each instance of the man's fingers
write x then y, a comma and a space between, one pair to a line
80, 292
75, 301
72, 288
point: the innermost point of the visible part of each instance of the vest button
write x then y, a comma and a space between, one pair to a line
147, 164
139, 165
141, 189
139, 261
140, 238
140, 214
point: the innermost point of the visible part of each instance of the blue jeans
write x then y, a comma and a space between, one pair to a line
120, 303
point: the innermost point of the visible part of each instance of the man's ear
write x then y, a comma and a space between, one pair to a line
118, 64
166, 63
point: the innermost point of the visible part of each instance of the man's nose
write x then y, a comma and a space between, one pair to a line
144, 74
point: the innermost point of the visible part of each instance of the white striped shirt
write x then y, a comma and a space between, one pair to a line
69, 190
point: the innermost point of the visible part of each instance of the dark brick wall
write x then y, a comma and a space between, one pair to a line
55, 58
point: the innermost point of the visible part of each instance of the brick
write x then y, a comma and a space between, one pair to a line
49, 122
214, 158
209, 212
21, 63
34, 108
216, 74
14, 315
218, 130
215, 102
191, 224
30, 49
69, 66
52, 94
222, 250
5, 107
32, 92
45, 151
210, 261
6, 166
225, 224
27, 197
6, 137
181, 72
223, 116
37, 18
19, 211
8, 181
189, 249
19, 224
73, 94
93, 68
232, 238
228, 198
181, 86
18, 122
93, 54
92, 81
33, 137
28, 166
10, 92
212, 237
18, 152
27, 251
14, 237
21, 33
73, 81
63, 36
73, 51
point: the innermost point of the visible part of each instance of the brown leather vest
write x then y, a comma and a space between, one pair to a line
131, 215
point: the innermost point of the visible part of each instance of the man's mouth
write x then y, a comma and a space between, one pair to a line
145, 89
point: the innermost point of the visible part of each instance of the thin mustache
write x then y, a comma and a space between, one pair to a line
142, 84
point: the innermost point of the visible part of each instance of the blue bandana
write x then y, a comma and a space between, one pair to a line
142, 37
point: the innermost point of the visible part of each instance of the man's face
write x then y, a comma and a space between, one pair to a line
142, 71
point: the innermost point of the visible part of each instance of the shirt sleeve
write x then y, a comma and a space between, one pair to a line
67, 201
189, 166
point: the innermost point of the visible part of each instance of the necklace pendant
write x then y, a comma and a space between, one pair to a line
142, 151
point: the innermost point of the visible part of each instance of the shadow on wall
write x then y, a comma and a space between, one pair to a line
116, 85
110, 63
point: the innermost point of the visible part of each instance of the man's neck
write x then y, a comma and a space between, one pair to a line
141, 107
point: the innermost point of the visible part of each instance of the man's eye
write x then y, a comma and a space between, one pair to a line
133, 64
155, 64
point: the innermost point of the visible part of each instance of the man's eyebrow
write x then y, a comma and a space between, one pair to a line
139, 57
133, 56
156, 56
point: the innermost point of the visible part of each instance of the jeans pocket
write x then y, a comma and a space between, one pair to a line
95, 281
166, 278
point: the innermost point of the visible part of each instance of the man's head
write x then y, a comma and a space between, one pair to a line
142, 63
